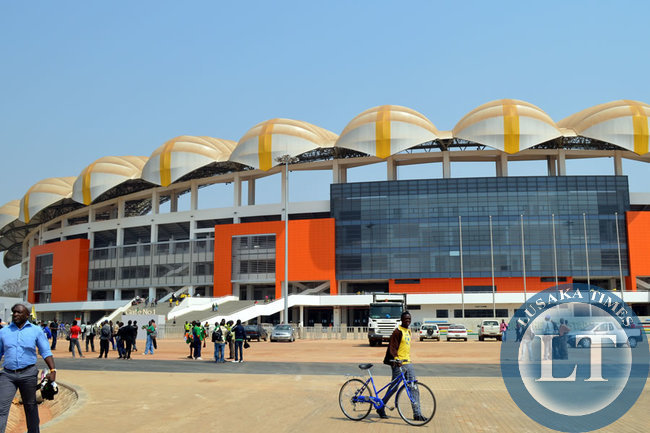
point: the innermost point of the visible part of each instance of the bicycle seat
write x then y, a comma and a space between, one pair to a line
365, 366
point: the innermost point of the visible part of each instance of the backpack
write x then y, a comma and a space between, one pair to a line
217, 336
105, 332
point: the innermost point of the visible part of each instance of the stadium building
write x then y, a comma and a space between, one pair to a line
186, 218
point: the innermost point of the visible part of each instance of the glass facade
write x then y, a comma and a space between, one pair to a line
143, 265
43, 277
253, 258
412, 228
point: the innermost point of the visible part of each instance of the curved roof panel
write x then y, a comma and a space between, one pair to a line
623, 123
385, 130
104, 174
182, 155
9, 213
44, 193
13, 256
509, 125
265, 142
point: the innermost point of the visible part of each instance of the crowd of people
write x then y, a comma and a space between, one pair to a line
224, 333
119, 336
554, 336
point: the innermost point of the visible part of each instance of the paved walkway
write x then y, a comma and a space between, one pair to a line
297, 394
176, 402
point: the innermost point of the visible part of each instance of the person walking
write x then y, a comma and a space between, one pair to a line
240, 336
563, 349
91, 330
190, 344
117, 336
230, 340
54, 329
151, 331
206, 332
398, 354
219, 341
127, 339
18, 344
548, 332
104, 337
134, 332
114, 328
197, 339
526, 346
46, 330
503, 327
75, 331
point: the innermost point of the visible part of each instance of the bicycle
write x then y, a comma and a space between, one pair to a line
357, 398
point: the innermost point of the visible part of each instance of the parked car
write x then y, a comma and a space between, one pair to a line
283, 333
255, 332
456, 332
624, 336
489, 329
430, 331
268, 327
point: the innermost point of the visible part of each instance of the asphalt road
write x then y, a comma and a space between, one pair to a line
256, 367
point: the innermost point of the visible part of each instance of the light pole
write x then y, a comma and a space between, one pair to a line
286, 159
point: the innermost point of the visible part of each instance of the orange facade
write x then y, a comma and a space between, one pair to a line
69, 270
311, 252
638, 242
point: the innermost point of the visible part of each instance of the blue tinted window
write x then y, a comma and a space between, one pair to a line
411, 228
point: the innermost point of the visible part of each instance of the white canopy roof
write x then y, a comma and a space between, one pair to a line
509, 125
43, 194
182, 155
623, 123
9, 213
386, 130
104, 174
265, 142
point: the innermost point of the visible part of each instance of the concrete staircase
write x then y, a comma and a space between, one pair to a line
226, 308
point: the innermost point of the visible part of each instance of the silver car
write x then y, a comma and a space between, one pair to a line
283, 333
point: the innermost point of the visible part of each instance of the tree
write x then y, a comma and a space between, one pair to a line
11, 287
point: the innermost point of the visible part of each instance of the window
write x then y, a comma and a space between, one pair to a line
500, 312
43, 273
479, 289
407, 281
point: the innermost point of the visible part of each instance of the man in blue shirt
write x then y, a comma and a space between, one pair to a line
18, 343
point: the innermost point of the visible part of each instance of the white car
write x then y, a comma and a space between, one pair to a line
457, 332
429, 331
283, 333
489, 329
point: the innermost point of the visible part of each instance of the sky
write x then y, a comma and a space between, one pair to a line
82, 80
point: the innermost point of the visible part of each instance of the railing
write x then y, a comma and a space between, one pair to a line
177, 331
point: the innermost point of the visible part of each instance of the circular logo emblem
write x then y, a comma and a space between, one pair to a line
575, 357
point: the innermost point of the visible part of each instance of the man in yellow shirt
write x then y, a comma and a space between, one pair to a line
398, 354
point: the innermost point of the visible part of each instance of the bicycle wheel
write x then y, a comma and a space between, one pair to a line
421, 409
350, 391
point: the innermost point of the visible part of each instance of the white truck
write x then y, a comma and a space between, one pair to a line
384, 316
